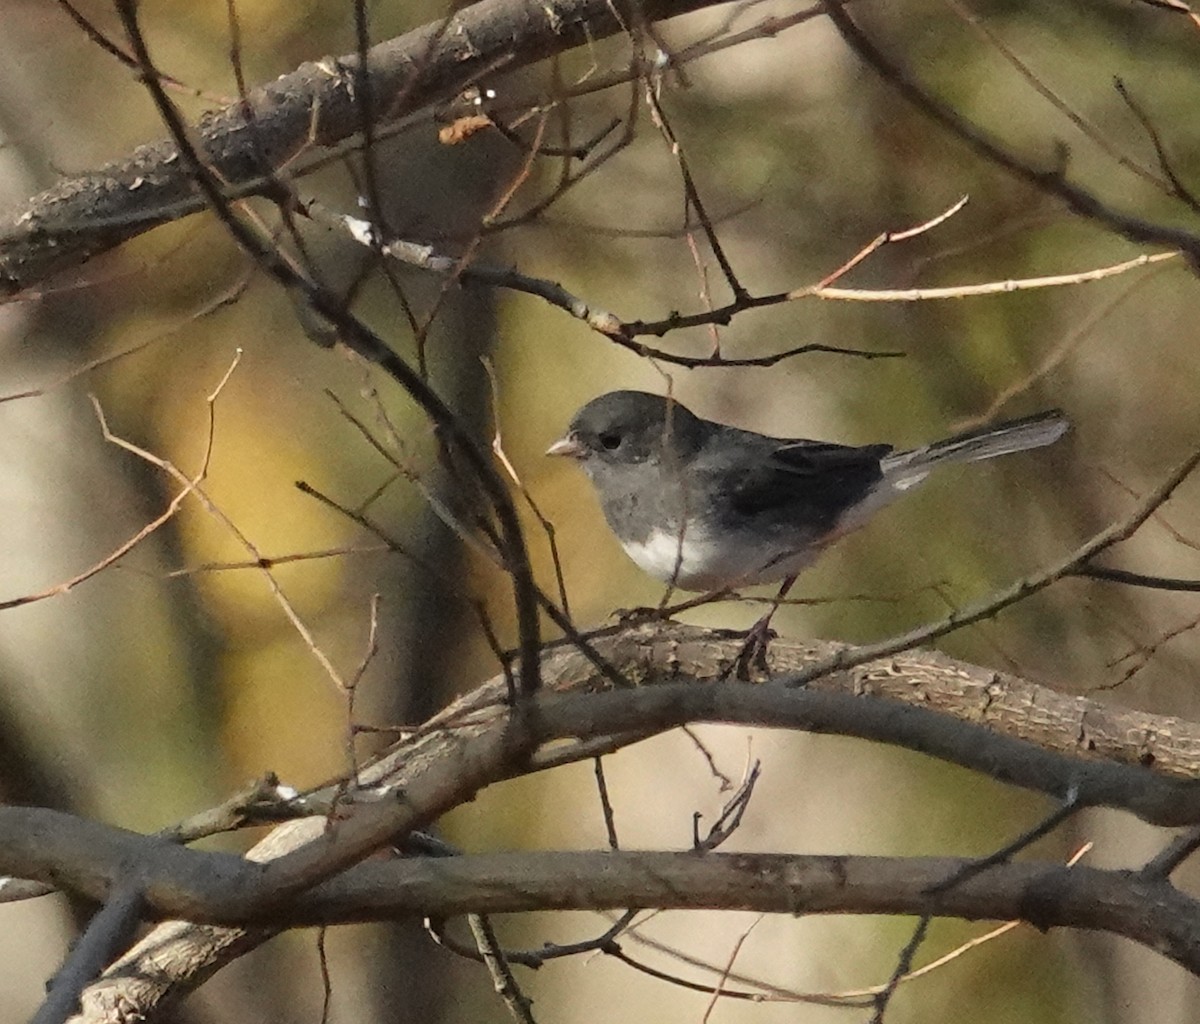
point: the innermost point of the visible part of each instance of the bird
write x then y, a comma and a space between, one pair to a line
705, 506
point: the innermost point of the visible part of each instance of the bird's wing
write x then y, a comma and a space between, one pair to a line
820, 457
809, 482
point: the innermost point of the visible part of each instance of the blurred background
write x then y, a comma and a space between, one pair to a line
167, 681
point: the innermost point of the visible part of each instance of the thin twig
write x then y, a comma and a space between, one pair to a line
1067, 809
963, 291
730, 818
606, 808
1136, 579
1090, 130
368, 344
1050, 181
96, 36
1177, 188
546, 525
719, 988
902, 969
505, 983
1167, 860
600, 320
326, 976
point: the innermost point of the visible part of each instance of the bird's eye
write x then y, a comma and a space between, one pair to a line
610, 440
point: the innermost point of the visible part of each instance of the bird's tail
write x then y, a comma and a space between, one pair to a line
903, 469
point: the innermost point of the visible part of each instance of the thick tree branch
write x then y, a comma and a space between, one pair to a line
1140, 906
1012, 729
312, 107
1144, 908
108, 935
1003, 726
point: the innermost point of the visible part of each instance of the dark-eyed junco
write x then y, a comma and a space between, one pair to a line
705, 506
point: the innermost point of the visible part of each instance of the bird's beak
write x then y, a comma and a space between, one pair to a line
569, 446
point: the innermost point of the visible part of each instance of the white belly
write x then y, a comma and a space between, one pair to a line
693, 562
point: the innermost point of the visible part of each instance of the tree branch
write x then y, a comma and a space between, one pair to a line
1141, 907
1007, 727
1145, 909
313, 107
108, 934
1052, 181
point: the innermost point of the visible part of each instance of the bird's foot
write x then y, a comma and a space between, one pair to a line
642, 613
753, 654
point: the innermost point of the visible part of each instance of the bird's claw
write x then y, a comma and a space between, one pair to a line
642, 613
753, 654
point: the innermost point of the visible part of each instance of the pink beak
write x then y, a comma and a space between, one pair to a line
568, 446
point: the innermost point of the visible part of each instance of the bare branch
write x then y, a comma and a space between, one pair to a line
370, 346
963, 291
520, 1006
980, 722
1136, 579
1046, 895
315, 106
1051, 181
108, 934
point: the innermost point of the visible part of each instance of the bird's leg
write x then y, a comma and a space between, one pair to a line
758, 636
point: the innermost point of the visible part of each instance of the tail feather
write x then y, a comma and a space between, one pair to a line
907, 468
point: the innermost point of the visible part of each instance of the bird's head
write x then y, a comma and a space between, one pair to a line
625, 428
